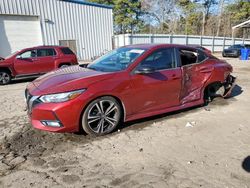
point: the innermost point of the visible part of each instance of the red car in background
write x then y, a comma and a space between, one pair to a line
128, 83
34, 62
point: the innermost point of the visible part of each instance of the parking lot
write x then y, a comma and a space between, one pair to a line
212, 151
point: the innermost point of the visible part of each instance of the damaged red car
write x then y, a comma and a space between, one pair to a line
128, 83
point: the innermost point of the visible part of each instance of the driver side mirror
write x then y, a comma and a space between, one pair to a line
145, 70
18, 57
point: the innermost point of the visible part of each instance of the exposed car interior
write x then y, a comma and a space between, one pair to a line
188, 57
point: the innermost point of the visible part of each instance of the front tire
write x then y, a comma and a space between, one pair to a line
101, 116
5, 78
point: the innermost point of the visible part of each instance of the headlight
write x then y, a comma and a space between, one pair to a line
61, 97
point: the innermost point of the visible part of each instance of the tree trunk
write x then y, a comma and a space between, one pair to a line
203, 23
220, 17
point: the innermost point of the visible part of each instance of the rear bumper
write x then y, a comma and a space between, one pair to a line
229, 85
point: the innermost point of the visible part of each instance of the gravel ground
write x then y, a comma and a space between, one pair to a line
155, 152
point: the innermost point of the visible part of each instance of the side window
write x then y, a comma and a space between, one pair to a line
160, 59
188, 57
66, 51
46, 52
201, 56
28, 54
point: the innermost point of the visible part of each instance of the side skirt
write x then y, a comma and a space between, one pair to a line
27, 76
163, 111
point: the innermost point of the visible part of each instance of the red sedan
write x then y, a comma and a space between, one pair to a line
128, 83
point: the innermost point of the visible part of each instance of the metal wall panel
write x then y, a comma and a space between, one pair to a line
215, 44
91, 26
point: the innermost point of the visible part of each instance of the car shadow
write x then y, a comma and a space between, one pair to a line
237, 90
246, 164
144, 122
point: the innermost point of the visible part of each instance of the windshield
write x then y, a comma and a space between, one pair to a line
116, 60
236, 46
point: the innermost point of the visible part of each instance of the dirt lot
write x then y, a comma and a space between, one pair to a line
154, 152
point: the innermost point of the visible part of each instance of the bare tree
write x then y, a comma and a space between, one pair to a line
162, 11
206, 8
220, 17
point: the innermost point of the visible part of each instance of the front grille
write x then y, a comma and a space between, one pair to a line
31, 101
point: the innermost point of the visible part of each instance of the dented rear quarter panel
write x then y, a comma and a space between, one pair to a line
196, 77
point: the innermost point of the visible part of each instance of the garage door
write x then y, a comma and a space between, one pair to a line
18, 32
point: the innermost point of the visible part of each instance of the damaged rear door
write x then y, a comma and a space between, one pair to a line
196, 70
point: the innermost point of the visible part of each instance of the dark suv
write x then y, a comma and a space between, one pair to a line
234, 50
35, 61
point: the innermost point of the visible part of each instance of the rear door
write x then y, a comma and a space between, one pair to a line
160, 89
45, 59
196, 70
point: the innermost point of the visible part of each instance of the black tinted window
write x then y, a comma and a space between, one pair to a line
46, 52
188, 57
67, 51
161, 59
201, 56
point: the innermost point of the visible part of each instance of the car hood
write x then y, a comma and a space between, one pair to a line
5, 62
66, 79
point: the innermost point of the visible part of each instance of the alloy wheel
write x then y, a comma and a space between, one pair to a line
103, 116
4, 78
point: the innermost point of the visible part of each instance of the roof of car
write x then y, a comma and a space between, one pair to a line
149, 46
50, 46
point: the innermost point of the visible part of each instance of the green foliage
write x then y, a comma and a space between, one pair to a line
127, 14
180, 17
239, 11
191, 16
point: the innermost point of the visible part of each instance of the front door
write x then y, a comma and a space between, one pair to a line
160, 89
25, 63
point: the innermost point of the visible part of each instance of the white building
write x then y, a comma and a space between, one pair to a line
87, 28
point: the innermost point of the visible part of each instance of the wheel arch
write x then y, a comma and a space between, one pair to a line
210, 87
63, 63
7, 70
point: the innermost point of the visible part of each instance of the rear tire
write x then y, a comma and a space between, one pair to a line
101, 116
212, 91
64, 66
5, 77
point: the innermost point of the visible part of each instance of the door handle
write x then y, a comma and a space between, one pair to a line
175, 77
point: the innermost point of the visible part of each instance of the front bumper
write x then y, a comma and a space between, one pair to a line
67, 114
231, 54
